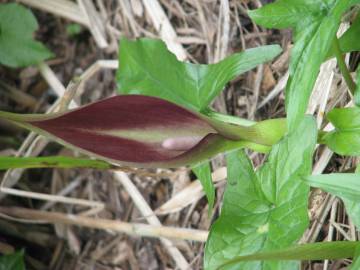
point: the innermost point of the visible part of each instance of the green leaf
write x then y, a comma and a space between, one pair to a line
345, 139
13, 261
266, 210
147, 67
315, 251
315, 23
203, 173
52, 162
73, 29
344, 185
357, 90
356, 262
349, 41
17, 47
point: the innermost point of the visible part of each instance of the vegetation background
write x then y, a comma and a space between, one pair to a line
81, 35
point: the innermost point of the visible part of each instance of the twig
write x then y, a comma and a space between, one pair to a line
63, 8
331, 228
257, 86
149, 215
134, 229
205, 29
69, 94
52, 198
276, 90
164, 27
190, 194
34, 144
224, 44
96, 25
19, 96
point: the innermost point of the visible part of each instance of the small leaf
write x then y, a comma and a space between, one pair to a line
143, 131
17, 47
73, 29
345, 139
203, 173
264, 210
51, 162
147, 67
315, 24
315, 251
13, 261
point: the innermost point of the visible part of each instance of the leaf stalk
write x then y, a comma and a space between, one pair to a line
343, 67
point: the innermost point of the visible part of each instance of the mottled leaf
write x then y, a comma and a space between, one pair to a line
17, 47
264, 210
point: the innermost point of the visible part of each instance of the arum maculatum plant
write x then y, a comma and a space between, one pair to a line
144, 131
163, 118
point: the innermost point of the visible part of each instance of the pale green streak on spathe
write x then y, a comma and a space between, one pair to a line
154, 135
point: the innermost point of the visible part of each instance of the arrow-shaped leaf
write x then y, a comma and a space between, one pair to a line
315, 23
264, 210
147, 67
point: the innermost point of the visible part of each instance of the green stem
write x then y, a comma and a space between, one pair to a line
52, 162
314, 251
342, 66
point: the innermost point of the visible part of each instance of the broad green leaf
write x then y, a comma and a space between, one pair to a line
146, 67
52, 162
344, 185
315, 23
345, 139
13, 261
264, 210
357, 90
203, 173
17, 47
315, 251
356, 261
